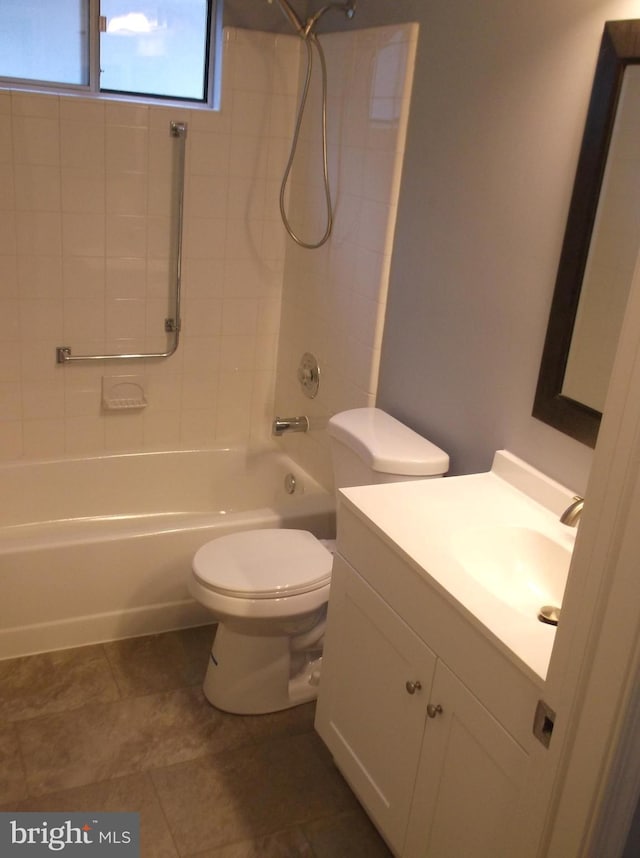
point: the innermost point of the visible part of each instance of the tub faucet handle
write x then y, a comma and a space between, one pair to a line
290, 424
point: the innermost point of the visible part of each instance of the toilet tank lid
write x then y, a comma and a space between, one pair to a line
386, 445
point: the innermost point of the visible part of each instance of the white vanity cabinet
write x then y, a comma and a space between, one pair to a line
470, 780
419, 711
372, 725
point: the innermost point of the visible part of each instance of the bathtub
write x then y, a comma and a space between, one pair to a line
100, 548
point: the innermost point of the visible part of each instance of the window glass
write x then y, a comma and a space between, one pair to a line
44, 41
155, 48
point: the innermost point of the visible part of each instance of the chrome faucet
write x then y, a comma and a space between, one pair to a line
571, 515
290, 424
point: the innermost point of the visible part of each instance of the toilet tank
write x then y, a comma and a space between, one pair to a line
369, 446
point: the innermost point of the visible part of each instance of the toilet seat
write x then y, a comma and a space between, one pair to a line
263, 564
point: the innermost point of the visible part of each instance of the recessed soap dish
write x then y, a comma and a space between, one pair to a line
123, 392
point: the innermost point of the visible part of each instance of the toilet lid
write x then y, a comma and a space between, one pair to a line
263, 564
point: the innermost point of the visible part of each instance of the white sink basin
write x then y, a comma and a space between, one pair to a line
522, 567
491, 543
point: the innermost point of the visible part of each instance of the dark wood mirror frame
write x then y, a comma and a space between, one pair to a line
619, 48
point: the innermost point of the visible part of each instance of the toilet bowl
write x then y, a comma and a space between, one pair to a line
269, 588
269, 591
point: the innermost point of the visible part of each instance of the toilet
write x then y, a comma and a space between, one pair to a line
269, 588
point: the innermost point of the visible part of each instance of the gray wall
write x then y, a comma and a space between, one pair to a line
500, 96
263, 15
258, 15
251, 15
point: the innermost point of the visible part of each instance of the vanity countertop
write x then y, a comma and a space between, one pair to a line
430, 523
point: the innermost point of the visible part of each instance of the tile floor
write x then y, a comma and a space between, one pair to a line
125, 726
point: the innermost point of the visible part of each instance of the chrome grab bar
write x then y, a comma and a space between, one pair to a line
171, 325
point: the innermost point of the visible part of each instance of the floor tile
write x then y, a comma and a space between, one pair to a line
135, 734
13, 785
251, 792
160, 662
289, 722
55, 682
125, 726
351, 835
284, 844
134, 794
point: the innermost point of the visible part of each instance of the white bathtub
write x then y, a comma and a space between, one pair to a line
100, 548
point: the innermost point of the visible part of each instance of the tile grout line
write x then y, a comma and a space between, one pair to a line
112, 672
23, 764
149, 775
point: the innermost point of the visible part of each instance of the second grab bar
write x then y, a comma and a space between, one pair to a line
171, 325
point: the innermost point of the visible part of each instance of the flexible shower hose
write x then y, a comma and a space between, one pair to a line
309, 41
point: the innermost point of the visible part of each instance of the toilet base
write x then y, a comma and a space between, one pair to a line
251, 674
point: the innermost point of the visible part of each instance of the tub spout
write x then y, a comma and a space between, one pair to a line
290, 424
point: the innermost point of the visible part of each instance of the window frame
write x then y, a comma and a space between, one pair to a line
92, 90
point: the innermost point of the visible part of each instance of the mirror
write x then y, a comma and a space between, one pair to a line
600, 245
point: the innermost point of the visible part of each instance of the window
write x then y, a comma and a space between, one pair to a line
38, 46
140, 48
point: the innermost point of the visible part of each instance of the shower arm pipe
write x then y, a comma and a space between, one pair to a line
171, 324
289, 12
348, 8
305, 30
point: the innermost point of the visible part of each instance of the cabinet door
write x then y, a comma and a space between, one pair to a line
366, 716
469, 786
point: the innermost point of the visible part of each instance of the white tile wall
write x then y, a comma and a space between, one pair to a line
334, 299
84, 235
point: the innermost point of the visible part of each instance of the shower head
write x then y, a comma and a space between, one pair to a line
289, 13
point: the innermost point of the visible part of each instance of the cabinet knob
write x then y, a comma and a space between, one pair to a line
432, 710
412, 687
